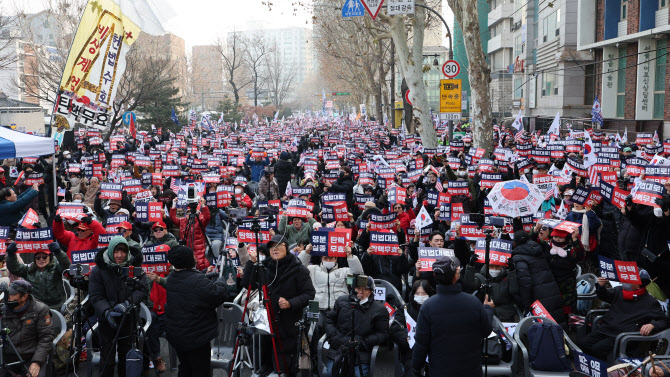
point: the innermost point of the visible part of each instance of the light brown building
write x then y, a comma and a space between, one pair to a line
207, 76
168, 45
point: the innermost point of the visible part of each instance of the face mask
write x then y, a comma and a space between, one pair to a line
329, 265
238, 191
420, 299
12, 304
467, 144
658, 212
535, 172
363, 301
462, 173
76, 201
495, 273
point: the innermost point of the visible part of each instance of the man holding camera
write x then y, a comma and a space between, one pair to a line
29, 324
111, 293
371, 324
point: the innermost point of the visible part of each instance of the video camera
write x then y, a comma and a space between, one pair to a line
357, 281
78, 270
191, 198
132, 272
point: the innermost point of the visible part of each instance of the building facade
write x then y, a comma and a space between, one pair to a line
207, 76
629, 39
500, 55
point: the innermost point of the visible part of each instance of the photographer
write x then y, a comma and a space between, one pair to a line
111, 294
191, 322
29, 323
371, 321
290, 289
45, 274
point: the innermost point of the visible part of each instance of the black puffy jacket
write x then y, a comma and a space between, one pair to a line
632, 226
283, 171
346, 185
449, 330
108, 288
630, 315
535, 279
192, 300
371, 324
288, 279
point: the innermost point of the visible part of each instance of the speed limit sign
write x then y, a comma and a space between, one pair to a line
451, 68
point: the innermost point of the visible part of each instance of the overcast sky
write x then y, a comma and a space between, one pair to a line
201, 21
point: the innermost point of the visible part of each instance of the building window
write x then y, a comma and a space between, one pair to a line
518, 88
551, 26
589, 84
518, 46
659, 78
662, 3
549, 87
624, 10
621, 84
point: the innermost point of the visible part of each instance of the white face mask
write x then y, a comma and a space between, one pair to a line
462, 173
238, 191
329, 265
494, 273
76, 201
535, 171
658, 212
420, 299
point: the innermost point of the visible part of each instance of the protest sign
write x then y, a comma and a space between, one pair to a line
499, 251
33, 240
384, 242
428, 256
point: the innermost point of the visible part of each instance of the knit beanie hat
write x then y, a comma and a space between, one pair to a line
181, 257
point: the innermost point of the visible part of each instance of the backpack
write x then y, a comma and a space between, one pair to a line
583, 306
546, 348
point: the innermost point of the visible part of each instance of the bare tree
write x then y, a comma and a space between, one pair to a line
479, 72
234, 64
281, 73
256, 48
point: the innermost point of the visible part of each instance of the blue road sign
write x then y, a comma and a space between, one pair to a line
353, 8
127, 116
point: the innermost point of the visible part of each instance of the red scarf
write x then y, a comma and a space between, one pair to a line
632, 295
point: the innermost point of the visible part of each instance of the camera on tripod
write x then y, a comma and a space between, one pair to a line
78, 270
191, 198
132, 272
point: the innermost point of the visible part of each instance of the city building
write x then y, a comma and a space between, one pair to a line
459, 50
170, 46
500, 50
21, 116
629, 39
207, 76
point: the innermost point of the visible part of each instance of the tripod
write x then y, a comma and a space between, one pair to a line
303, 326
189, 234
350, 351
77, 321
245, 331
134, 358
4, 340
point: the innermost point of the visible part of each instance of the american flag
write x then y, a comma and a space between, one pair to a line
551, 191
596, 113
174, 185
518, 137
594, 176
438, 185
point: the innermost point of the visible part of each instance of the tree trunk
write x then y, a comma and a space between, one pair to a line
411, 64
479, 72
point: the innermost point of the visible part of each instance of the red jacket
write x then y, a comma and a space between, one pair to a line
196, 239
405, 219
74, 243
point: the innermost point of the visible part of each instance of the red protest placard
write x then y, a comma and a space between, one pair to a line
627, 272
428, 256
155, 211
110, 190
31, 217
384, 243
539, 310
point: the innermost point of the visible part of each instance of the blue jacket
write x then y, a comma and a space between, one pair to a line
11, 212
450, 329
214, 229
594, 221
257, 167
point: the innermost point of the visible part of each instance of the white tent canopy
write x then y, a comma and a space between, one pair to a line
14, 144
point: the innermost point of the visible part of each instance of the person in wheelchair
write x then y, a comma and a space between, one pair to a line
632, 310
371, 321
111, 295
29, 323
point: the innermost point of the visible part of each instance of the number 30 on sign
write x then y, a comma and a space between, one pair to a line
451, 68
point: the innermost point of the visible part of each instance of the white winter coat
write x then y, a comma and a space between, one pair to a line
330, 285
